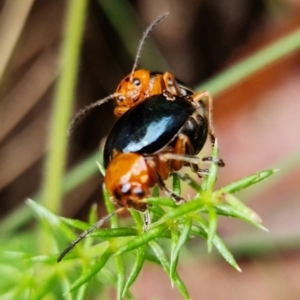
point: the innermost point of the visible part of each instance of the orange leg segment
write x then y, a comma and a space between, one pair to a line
120, 110
183, 146
171, 84
159, 171
170, 193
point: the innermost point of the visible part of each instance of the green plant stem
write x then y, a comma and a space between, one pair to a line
55, 161
252, 64
63, 105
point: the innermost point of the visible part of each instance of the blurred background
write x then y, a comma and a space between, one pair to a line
256, 122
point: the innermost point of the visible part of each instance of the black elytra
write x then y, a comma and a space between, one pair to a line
154, 123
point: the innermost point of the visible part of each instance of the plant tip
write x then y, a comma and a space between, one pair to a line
265, 229
101, 168
28, 201
256, 218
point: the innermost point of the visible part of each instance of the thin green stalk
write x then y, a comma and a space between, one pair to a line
120, 266
252, 64
64, 96
212, 226
110, 208
55, 162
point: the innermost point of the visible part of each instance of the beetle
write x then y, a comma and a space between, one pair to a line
152, 139
141, 84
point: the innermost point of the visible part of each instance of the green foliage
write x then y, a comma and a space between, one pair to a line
93, 258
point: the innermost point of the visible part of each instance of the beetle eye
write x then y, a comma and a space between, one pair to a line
120, 98
136, 82
125, 189
138, 192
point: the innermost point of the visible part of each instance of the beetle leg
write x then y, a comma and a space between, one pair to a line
218, 161
170, 84
157, 166
163, 168
196, 160
202, 172
183, 146
120, 110
152, 163
198, 97
162, 186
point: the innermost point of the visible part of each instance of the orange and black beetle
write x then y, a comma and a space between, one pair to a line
154, 138
141, 84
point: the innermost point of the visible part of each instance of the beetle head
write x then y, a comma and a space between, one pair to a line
127, 180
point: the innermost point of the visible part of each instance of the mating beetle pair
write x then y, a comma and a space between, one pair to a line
162, 126
151, 140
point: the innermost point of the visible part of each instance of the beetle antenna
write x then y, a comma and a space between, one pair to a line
145, 34
88, 231
87, 108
